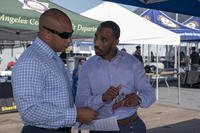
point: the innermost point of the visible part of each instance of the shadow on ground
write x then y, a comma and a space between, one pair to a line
190, 126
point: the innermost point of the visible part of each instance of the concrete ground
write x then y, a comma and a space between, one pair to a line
165, 116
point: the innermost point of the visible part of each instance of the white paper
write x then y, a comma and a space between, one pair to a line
108, 124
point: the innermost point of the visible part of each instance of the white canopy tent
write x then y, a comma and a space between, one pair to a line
134, 29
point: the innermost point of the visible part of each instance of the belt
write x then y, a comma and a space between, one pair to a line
68, 129
127, 120
63, 129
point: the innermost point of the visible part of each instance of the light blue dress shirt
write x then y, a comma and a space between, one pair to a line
97, 75
41, 88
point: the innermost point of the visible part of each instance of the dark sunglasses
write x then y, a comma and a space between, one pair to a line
64, 35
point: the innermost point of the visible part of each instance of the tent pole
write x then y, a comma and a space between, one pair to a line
178, 65
175, 57
12, 47
149, 55
179, 79
156, 72
177, 17
143, 56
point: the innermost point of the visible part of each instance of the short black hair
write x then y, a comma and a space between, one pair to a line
110, 24
137, 47
193, 48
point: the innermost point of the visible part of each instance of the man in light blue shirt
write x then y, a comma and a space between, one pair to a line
41, 87
114, 82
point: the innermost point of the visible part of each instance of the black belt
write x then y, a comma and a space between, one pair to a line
62, 129
68, 129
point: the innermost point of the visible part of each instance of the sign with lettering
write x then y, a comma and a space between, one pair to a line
23, 15
7, 105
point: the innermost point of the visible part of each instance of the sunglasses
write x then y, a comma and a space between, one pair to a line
63, 35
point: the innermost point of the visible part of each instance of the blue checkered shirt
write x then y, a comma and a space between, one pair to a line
41, 88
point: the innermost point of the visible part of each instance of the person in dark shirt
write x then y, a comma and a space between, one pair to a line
137, 54
152, 57
194, 59
63, 56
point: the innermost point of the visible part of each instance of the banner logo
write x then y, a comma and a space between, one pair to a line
192, 24
167, 22
34, 5
147, 17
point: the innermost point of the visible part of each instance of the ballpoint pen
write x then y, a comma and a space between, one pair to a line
95, 119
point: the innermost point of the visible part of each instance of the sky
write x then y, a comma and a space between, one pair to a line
80, 6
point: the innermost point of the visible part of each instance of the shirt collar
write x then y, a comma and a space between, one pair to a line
118, 55
44, 47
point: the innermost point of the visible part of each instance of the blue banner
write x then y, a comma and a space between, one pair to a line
161, 19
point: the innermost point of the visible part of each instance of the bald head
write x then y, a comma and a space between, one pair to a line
55, 29
54, 19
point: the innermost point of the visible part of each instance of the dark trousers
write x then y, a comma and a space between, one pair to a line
136, 126
32, 129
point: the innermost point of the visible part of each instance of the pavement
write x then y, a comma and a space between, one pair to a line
189, 97
165, 116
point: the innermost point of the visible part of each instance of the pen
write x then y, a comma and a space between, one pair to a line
96, 110
80, 125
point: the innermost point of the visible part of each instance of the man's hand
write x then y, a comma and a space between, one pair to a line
129, 101
111, 93
132, 100
86, 115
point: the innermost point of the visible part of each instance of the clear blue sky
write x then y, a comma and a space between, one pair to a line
82, 5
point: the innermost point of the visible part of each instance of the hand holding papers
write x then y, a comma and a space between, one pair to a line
108, 124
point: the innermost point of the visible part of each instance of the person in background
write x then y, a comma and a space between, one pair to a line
152, 57
41, 87
63, 56
10, 65
75, 75
114, 82
138, 55
194, 59
182, 59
